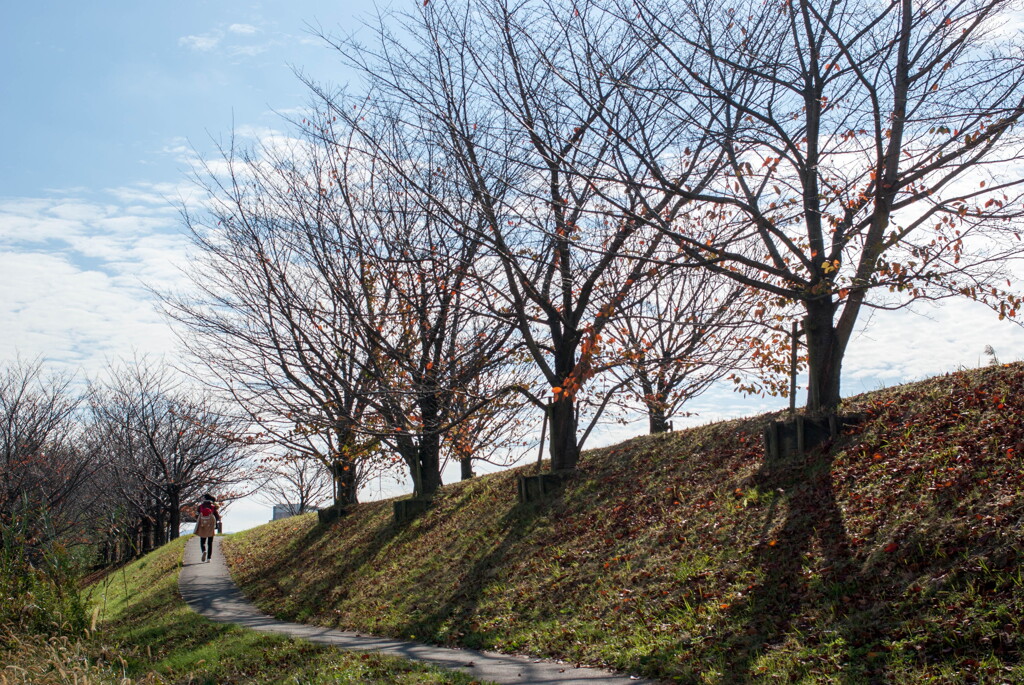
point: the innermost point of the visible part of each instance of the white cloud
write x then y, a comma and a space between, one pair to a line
243, 29
74, 273
181, 151
152, 194
203, 42
248, 50
16, 226
260, 134
74, 210
898, 347
77, 318
231, 40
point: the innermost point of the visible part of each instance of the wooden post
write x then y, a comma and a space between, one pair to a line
771, 440
801, 440
794, 337
543, 432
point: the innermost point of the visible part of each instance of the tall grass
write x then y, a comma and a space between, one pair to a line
39, 593
41, 660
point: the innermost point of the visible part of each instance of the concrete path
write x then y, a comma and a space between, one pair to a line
209, 590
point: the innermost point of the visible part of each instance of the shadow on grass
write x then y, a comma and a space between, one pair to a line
805, 490
849, 595
303, 552
463, 602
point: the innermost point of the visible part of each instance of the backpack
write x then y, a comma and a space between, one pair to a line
206, 520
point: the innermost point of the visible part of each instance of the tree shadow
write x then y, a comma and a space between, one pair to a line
301, 550
463, 602
813, 524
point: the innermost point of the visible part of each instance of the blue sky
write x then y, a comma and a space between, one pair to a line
103, 104
103, 93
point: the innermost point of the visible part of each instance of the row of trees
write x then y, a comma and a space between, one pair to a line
545, 213
116, 465
354, 320
549, 209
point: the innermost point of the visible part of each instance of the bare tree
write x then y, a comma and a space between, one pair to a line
45, 464
682, 331
301, 483
407, 277
486, 86
334, 301
165, 445
264, 325
865, 152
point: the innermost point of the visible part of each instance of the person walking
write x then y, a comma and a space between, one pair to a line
206, 525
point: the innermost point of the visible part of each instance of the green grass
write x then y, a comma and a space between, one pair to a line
147, 634
892, 558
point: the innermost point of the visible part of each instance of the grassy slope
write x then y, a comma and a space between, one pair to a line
685, 556
148, 635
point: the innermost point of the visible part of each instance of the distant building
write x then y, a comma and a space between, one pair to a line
283, 511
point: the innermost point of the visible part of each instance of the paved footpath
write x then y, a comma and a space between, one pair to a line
209, 590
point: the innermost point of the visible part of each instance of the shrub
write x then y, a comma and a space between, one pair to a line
39, 591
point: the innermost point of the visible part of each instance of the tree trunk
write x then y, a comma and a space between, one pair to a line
146, 536
159, 529
429, 457
825, 352
657, 420
467, 467
343, 468
345, 490
430, 464
174, 517
565, 454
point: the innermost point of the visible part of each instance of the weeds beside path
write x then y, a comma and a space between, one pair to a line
147, 635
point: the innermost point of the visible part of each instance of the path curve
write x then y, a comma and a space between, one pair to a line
209, 590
